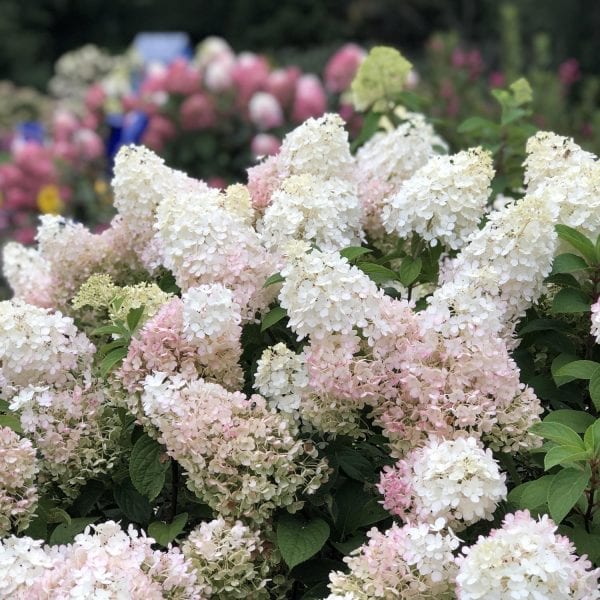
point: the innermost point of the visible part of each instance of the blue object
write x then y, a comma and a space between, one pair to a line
123, 130
163, 47
31, 131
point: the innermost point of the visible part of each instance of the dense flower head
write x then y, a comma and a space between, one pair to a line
27, 274
388, 159
190, 339
39, 347
402, 562
323, 293
202, 241
526, 559
140, 183
501, 270
74, 430
281, 378
595, 328
241, 458
230, 560
454, 480
444, 200
102, 562
326, 213
18, 494
342, 66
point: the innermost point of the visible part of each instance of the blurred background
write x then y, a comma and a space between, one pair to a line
77, 82
33, 35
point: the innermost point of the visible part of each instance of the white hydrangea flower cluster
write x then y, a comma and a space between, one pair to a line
28, 274
444, 200
281, 377
388, 159
201, 242
595, 329
501, 271
303, 149
323, 293
141, 181
525, 558
453, 480
103, 562
324, 212
209, 311
230, 560
402, 562
39, 347
18, 494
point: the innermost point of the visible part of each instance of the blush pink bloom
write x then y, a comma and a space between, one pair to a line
282, 84
265, 111
95, 97
197, 112
64, 125
497, 79
310, 100
250, 74
182, 77
342, 67
265, 144
569, 72
89, 144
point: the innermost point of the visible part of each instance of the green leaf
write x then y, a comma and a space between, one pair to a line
585, 543
110, 330
133, 505
275, 278
595, 389
559, 433
410, 270
577, 420
592, 439
11, 421
298, 540
579, 369
543, 325
532, 494
273, 316
66, 532
354, 464
561, 455
570, 300
378, 273
315, 570
356, 508
113, 358
106, 348
369, 128
134, 316
352, 543
165, 533
557, 363
564, 491
353, 252
168, 284
578, 241
474, 124
568, 263
146, 470
91, 492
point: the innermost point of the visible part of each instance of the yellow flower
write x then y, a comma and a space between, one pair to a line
100, 187
48, 199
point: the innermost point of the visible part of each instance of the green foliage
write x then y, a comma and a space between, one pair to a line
298, 539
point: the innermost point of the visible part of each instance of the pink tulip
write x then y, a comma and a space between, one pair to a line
342, 67
310, 100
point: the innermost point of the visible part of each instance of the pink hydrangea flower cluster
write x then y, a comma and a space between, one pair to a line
102, 562
241, 458
18, 493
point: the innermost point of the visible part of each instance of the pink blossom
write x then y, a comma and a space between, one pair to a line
89, 144
263, 180
197, 112
265, 144
182, 77
250, 74
497, 79
342, 67
95, 97
265, 111
569, 72
310, 100
282, 84
64, 125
